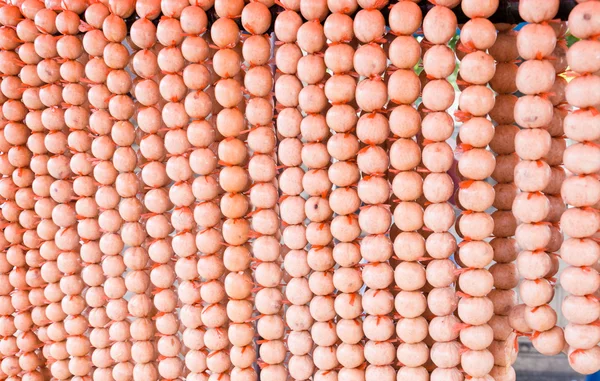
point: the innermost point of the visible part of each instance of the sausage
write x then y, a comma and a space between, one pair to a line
405, 18
584, 27
369, 25
404, 51
536, 40
579, 94
542, 82
477, 68
583, 361
477, 132
439, 25
438, 95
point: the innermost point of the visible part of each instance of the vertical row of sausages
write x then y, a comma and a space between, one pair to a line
261, 145
9, 364
554, 159
199, 134
70, 50
174, 171
310, 70
202, 160
373, 190
201, 313
439, 26
344, 201
93, 252
343, 145
581, 190
233, 179
292, 203
504, 246
475, 194
6, 192
22, 255
25, 278
234, 204
343, 174
137, 259
15, 135
115, 174
61, 191
404, 88
63, 217
52, 119
28, 33
141, 260
182, 140
202, 332
532, 208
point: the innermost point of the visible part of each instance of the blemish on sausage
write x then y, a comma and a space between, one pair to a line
587, 16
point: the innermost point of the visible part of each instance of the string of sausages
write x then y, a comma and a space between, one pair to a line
320, 229
579, 190
66, 237
26, 256
475, 195
218, 190
373, 189
233, 179
439, 217
17, 154
121, 184
92, 252
532, 207
292, 204
143, 36
339, 124
192, 190
407, 186
177, 171
554, 159
262, 169
70, 48
32, 322
503, 245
